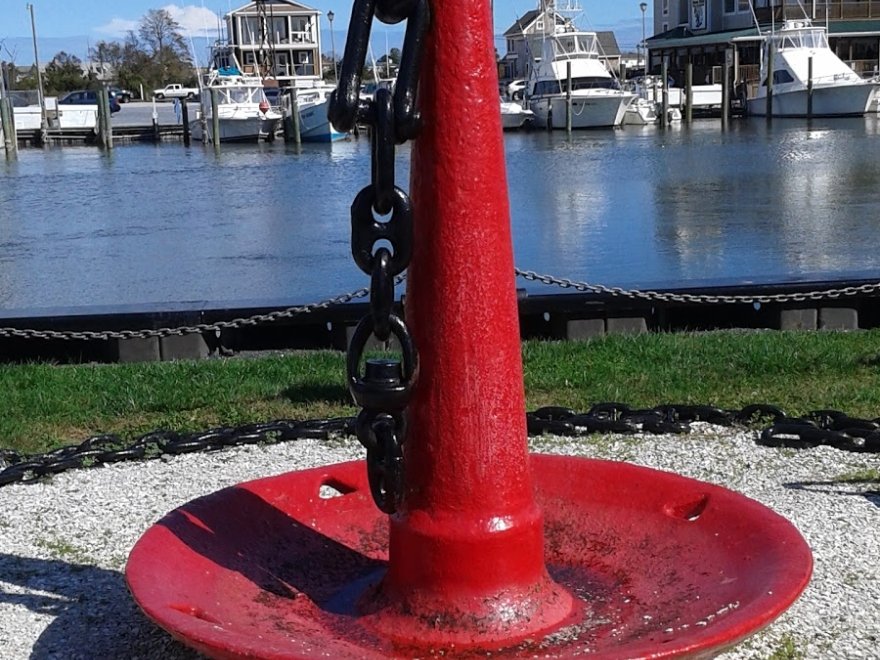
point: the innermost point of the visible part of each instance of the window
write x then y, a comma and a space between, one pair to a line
782, 76
665, 7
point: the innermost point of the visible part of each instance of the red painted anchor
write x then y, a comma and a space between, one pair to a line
490, 550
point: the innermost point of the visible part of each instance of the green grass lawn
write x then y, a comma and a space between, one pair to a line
46, 405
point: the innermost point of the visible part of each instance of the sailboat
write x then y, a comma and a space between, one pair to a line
596, 100
837, 90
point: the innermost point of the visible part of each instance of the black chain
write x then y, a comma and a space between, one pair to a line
385, 388
821, 427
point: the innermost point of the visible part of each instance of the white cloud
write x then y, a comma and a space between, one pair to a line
194, 21
118, 27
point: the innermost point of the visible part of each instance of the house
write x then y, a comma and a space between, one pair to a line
706, 33
515, 63
278, 39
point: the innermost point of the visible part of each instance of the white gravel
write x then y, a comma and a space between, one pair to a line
64, 543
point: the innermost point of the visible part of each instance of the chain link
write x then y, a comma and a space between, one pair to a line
659, 296
256, 319
378, 433
384, 389
870, 289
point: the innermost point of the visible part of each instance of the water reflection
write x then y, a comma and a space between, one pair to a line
633, 207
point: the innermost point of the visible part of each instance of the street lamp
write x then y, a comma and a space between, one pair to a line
644, 7
330, 17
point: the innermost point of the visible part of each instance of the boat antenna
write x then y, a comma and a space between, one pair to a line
755, 16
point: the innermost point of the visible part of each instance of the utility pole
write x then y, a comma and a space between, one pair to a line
40, 92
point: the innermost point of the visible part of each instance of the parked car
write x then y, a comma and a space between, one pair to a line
88, 97
122, 95
175, 91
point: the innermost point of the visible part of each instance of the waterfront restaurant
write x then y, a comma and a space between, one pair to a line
705, 33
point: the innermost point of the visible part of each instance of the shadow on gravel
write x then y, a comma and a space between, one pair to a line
867, 488
92, 613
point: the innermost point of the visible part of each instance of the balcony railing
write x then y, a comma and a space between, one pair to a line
837, 10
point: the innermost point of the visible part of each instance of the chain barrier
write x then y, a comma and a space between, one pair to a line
200, 328
385, 387
710, 299
531, 276
821, 427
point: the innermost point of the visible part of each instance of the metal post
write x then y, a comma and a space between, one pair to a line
330, 16
568, 96
40, 91
215, 121
810, 87
689, 92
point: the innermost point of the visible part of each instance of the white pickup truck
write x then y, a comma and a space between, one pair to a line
175, 91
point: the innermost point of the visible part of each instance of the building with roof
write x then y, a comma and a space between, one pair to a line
706, 33
516, 61
277, 39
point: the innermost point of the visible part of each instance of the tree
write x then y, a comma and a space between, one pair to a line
64, 73
162, 40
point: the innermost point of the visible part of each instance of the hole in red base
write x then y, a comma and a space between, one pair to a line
689, 510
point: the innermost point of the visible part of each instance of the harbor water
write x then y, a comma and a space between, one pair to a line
637, 207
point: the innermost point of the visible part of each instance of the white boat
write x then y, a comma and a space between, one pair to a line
514, 116
596, 98
313, 123
646, 108
838, 91
243, 111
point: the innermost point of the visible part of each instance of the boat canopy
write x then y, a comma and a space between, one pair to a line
811, 38
575, 44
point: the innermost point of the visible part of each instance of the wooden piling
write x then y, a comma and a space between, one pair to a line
7, 117
810, 87
215, 121
664, 118
184, 114
689, 92
725, 94
769, 81
568, 96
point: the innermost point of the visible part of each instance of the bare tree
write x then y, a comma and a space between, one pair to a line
161, 32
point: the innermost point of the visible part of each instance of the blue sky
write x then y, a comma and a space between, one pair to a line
88, 21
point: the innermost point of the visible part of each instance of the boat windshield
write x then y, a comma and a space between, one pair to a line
811, 38
241, 95
543, 87
582, 44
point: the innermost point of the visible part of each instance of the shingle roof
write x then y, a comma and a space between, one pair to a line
521, 24
608, 44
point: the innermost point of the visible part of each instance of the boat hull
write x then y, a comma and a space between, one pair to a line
241, 129
314, 125
832, 101
602, 110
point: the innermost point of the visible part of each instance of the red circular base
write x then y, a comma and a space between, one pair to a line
666, 565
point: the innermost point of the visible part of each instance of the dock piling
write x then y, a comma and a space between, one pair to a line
184, 114
689, 93
769, 81
810, 87
568, 97
664, 74
8, 124
215, 121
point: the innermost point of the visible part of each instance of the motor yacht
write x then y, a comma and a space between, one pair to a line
244, 113
597, 101
838, 91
